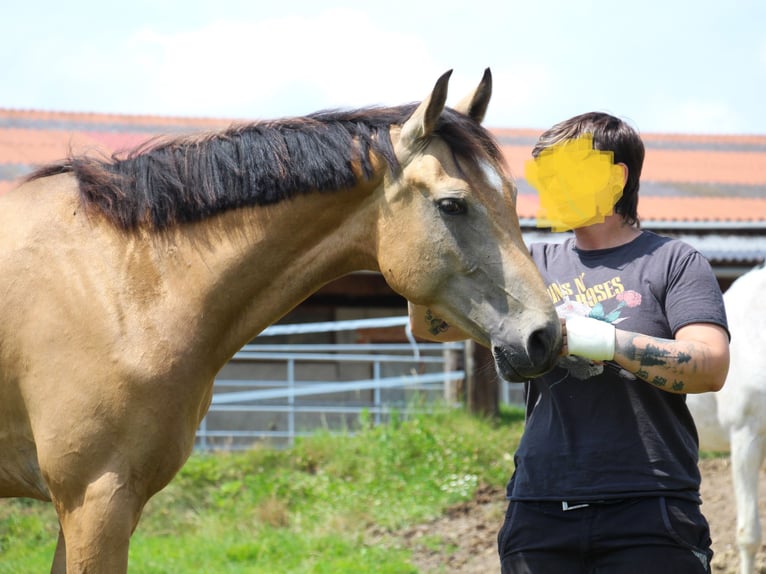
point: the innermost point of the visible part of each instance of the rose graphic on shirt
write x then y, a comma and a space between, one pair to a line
629, 299
570, 308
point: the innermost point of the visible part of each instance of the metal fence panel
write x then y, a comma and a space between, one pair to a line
271, 394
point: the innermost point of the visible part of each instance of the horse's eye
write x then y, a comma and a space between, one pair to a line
452, 206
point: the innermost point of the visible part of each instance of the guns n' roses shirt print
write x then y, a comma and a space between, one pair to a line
592, 428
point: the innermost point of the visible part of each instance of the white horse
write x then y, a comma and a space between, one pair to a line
734, 418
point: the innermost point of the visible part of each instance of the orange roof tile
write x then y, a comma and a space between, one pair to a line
679, 165
35, 147
690, 177
516, 156
703, 166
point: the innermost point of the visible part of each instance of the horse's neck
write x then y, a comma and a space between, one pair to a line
251, 266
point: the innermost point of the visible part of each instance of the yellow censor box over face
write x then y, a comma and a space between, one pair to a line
577, 185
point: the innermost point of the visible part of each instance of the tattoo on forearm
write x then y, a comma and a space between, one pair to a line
676, 385
435, 324
659, 381
654, 355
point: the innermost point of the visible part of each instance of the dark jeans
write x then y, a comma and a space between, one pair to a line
655, 535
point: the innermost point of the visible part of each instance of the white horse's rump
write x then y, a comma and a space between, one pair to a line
735, 417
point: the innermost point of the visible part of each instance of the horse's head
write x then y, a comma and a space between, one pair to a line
451, 238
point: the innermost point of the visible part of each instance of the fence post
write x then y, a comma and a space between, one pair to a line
376, 394
453, 389
202, 433
291, 401
482, 393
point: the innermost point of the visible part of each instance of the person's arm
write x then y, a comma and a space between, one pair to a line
426, 325
695, 361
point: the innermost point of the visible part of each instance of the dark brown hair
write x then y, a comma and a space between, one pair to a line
609, 134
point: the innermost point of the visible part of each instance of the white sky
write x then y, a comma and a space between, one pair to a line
696, 66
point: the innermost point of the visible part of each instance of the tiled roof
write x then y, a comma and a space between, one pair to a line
686, 178
31, 138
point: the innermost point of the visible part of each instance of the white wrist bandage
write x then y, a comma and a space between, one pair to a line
590, 338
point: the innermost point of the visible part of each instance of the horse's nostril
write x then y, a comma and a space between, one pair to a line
539, 355
541, 343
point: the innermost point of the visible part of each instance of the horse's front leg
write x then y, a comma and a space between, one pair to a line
59, 558
747, 450
96, 525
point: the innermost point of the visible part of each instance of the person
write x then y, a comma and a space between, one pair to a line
606, 476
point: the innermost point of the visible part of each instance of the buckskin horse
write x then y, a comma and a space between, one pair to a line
128, 281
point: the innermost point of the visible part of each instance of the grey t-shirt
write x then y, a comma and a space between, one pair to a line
595, 431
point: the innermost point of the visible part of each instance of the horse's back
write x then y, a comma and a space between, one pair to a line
37, 200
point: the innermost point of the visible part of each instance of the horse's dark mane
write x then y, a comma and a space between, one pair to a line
168, 181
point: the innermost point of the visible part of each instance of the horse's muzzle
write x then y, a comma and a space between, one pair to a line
536, 357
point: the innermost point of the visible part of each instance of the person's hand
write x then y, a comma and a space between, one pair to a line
589, 338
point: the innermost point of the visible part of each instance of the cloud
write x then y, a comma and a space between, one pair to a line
285, 66
517, 90
247, 68
700, 116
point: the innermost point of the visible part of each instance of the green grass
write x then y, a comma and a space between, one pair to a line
705, 455
312, 508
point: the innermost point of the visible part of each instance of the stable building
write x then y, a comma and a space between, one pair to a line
709, 190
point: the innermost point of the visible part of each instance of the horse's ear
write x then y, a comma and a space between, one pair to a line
474, 105
423, 120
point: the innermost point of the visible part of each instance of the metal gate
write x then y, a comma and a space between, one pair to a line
270, 394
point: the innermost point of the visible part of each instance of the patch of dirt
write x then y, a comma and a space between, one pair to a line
721, 511
463, 540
